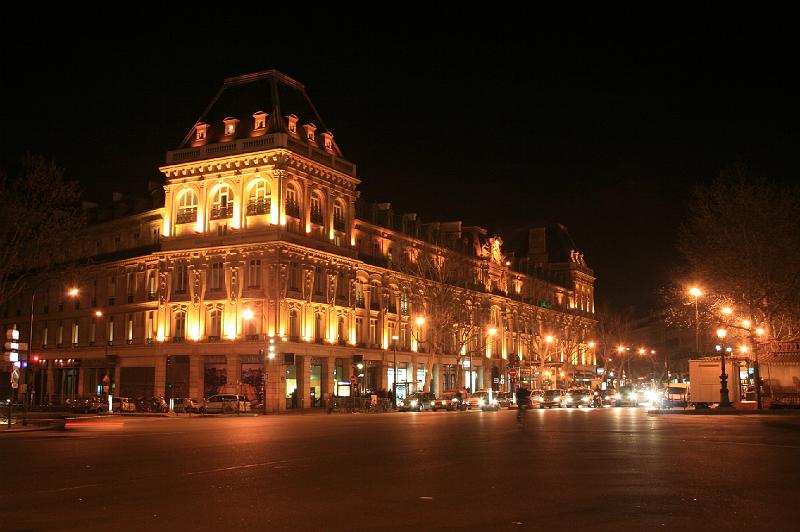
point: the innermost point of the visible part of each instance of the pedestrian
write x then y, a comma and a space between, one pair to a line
329, 402
523, 400
294, 398
390, 395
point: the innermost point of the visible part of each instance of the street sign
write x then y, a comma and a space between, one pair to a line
512, 372
12, 334
353, 378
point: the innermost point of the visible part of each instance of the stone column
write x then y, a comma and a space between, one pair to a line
81, 381
303, 366
160, 379
327, 380
276, 386
233, 373
196, 374
51, 381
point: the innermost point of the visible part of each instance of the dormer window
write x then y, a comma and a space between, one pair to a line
230, 126
260, 119
310, 129
327, 141
291, 124
200, 133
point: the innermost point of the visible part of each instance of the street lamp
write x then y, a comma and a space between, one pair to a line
696, 293
394, 379
548, 341
724, 398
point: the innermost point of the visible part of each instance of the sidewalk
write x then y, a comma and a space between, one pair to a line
725, 412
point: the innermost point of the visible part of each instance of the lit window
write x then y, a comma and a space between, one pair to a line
310, 129
180, 325
230, 126
259, 200
187, 208
254, 274
291, 124
222, 203
200, 132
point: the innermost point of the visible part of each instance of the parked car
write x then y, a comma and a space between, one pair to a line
186, 405
506, 400
626, 396
483, 399
122, 404
88, 405
551, 398
609, 397
577, 397
450, 400
225, 404
417, 402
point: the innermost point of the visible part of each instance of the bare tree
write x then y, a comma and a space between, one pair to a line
40, 218
440, 279
613, 331
742, 238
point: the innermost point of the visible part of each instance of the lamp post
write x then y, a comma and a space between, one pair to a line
756, 369
394, 373
696, 293
492, 332
724, 398
548, 341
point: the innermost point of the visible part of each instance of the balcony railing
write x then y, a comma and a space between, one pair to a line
222, 212
292, 209
213, 338
258, 206
186, 215
316, 217
338, 223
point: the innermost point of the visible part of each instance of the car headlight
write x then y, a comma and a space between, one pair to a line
455, 400
481, 402
634, 397
585, 399
414, 402
618, 396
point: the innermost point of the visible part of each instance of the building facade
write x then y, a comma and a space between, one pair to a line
264, 274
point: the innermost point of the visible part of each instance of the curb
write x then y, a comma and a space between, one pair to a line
54, 426
726, 412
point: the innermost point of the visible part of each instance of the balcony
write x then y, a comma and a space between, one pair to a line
213, 338
186, 215
338, 223
258, 206
292, 209
178, 339
316, 217
253, 337
221, 212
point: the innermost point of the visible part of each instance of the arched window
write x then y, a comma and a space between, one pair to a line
214, 328
187, 208
292, 207
294, 324
338, 216
259, 200
316, 209
222, 203
179, 332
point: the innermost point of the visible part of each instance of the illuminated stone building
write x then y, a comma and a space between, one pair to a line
262, 247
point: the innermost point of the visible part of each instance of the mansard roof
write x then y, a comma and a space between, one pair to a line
231, 123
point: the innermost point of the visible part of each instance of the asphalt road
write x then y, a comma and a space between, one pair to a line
609, 469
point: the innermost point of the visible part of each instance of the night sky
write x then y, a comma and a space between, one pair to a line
602, 124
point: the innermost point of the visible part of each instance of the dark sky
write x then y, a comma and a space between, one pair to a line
600, 121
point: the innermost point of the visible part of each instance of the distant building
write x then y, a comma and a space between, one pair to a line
261, 261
